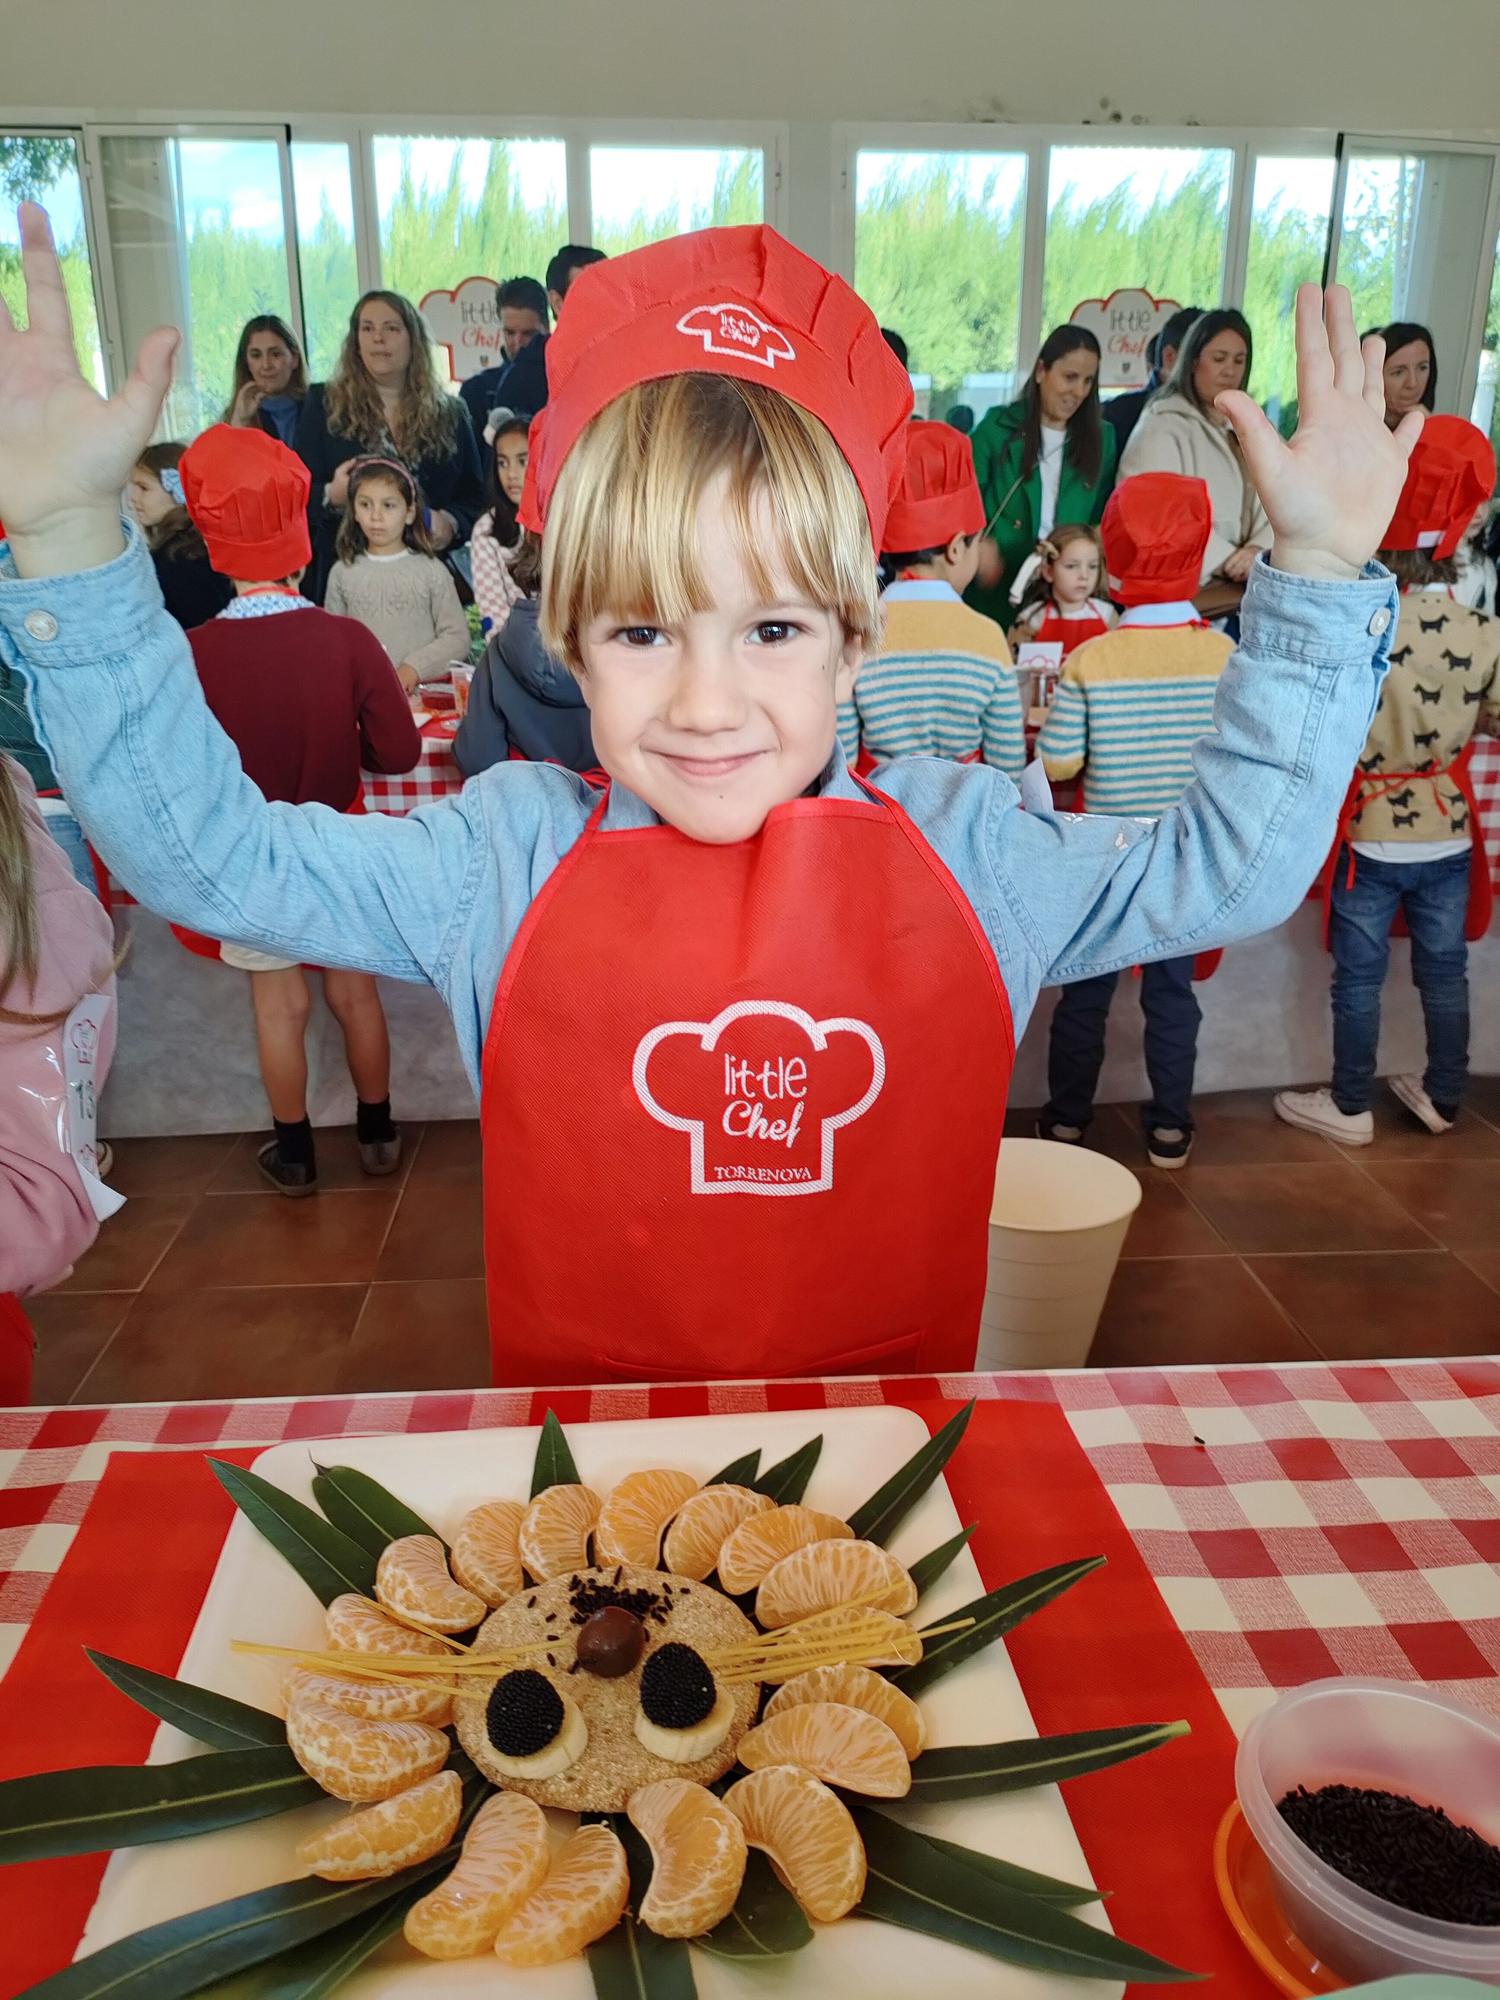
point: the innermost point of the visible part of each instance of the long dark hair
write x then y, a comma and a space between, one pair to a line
266, 323
351, 543
1401, 333
1085, 445
1208, 326
504, 526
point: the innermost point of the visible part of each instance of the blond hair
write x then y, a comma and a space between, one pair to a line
615, 539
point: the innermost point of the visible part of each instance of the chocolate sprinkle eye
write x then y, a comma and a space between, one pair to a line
1410, 1854
524, 1713
677, 1689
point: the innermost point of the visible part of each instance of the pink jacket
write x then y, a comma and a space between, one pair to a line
46, 1221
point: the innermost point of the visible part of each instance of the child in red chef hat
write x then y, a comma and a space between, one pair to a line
742, 1025
942, 683
1405, 846
1130, 707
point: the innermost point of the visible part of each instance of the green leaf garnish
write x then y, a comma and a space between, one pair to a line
998, 1612
325, 1558
786, 1482
364, 1510
982, 1770
767, 1922
880, 1516
127, 1805
209, 1718
925, 1572
554, 1460
739, 1471
1047, 1888
631, 1962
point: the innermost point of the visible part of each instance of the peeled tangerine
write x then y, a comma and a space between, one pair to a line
411, 1579
860, 1689
505, 1856
697, 1857
360, 1760
486, 1554
632, 1518
763, 1539
843, 1746
703, 1524
808, 1835
377, 1701
583, 1896
555, 1531
352, 1624
824, 1575
406, 1829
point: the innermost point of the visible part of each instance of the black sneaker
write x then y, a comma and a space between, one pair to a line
1167, 1146
1061, 1135
381, 1156
290, 1177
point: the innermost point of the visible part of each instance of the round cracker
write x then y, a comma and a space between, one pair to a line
616, 1763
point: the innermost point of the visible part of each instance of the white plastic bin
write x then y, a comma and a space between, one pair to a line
1057, 1226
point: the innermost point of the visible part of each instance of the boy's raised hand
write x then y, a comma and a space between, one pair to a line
66, 452
1330, 493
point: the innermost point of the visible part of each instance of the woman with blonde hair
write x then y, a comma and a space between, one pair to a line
385, 400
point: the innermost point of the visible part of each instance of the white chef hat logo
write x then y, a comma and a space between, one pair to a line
708, 1035
734, 329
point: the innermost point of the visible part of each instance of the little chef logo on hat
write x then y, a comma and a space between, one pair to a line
760, 1090
732, 329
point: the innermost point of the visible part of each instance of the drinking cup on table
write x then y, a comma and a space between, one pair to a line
462, 677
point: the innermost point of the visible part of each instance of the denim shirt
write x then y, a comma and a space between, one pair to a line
440, 894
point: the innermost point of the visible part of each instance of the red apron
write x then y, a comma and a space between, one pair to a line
17, 1348
1069, 633
1362, 789
741, 1107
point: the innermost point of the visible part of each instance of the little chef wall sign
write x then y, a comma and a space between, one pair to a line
1124, 325
467, 322
761, 1090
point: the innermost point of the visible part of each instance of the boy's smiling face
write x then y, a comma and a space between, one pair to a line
715, 720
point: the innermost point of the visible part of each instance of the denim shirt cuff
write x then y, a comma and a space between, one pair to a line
1324, 624
48, 622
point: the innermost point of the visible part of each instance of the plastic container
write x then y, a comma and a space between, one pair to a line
1392, 1736
1057, 1226
462, 678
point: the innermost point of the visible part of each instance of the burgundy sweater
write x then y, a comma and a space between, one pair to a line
308, 699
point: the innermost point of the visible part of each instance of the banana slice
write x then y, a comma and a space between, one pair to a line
686, 1746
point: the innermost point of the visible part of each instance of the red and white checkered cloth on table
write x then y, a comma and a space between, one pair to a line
1299, 1521
436, 775
1484, 769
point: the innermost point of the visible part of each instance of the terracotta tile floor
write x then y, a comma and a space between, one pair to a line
1271, 1245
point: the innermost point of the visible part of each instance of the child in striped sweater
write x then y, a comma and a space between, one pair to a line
942, 684
1130, 706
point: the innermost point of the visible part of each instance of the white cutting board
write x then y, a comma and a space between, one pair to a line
254, 1595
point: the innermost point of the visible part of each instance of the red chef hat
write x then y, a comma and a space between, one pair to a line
939, 495
1450, 474
247, 495
739, 302
1155, 529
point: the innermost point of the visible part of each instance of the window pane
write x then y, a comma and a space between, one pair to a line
44, 167
1147, 216
1486, 410
324, 195
937, 254
1289, 214
198, 238
641, 193
452, 209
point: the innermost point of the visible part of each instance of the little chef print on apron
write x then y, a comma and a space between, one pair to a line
741, 1107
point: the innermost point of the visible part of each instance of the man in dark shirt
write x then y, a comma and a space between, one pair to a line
524, 323
1124, 412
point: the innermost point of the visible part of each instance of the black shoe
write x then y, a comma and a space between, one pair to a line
381, 1156
290, 1177
1060, 1135
1168, 1146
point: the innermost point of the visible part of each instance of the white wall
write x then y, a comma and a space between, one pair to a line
1367, 65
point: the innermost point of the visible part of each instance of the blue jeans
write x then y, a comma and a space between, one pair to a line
1075, 1052
1433, 896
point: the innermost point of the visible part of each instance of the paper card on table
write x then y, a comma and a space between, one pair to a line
82, 1033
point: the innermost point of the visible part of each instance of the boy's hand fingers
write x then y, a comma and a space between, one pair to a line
7, 324
143, 392
1372, 354
1408, 430
1261, 442
1314, 364
1343, 343
46, 300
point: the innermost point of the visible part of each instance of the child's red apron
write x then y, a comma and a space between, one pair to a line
741, 1107
1069, 633
1364, 788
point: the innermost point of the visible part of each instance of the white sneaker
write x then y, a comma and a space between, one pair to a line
1315, 1111
1412, 1094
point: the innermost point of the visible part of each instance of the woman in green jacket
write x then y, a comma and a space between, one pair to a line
1042, 461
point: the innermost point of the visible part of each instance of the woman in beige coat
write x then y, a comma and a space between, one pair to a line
1182, 431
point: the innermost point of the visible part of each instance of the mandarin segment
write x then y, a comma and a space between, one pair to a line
486, 1554
583, 1896
555, 1530
411, 1579
859, 1688
763, 1539
822, 1576
807, 1834
843, 1746
377, 1701
505, 1857
698, 1853
352, 1624
703, 1524
357, 1759
378, 1840
631, 1521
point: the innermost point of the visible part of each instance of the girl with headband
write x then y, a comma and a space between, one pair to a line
388, 575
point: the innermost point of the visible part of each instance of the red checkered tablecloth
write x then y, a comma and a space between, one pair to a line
1485, 771
436, 775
